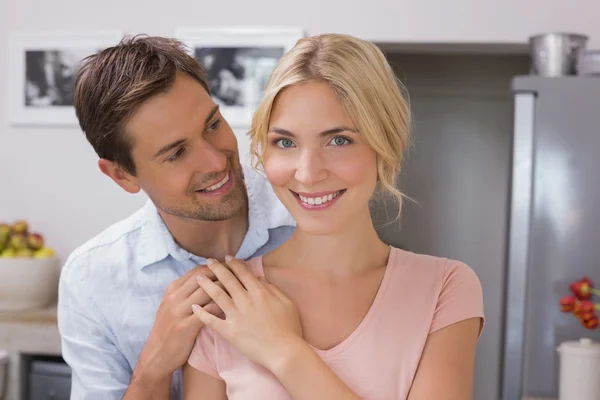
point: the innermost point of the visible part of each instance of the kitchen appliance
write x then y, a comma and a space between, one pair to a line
49, 378
554, 225
555, 54
579, 370
3, 373
588, 63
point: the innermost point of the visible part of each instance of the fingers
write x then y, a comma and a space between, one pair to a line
273, 289
215, 323
214, 309
190, 284
199, 296
241, 271
217, 294
186, 284
229, 280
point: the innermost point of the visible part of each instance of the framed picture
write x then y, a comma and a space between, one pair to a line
42, 72
238, 62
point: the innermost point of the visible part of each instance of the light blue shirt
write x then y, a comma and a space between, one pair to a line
111, 286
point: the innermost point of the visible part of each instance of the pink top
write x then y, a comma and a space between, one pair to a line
418, 295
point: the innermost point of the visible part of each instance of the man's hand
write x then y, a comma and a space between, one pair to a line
173, 334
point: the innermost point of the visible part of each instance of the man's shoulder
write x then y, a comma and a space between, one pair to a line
262, 195
107, 246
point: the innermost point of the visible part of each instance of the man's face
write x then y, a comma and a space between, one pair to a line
186, 154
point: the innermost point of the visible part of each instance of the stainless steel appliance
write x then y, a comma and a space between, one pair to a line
554, 225
48, 378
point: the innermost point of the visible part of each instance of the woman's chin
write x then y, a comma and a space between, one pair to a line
317, 227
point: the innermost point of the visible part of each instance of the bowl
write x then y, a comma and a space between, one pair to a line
28, 283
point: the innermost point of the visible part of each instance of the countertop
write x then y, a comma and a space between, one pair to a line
38, 317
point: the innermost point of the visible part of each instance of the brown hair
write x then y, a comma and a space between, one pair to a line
112, 84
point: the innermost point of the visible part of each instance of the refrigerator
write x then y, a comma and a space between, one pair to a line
554, 226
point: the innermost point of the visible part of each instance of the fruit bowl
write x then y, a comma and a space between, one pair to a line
29, 269
28, 283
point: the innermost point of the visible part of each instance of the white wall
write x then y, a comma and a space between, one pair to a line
49, 176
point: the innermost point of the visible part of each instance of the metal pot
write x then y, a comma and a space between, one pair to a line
555, 54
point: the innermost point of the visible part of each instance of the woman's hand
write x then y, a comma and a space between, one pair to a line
260, 321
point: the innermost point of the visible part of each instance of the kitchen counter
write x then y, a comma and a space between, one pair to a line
43, 316
24, 333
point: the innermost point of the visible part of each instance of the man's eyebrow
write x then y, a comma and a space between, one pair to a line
166, 148
211, 114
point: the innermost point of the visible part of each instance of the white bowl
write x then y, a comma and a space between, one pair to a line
28, 283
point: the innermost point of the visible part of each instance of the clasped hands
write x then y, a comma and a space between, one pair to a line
260, 320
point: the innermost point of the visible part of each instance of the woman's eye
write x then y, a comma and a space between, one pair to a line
285, 143
339, 141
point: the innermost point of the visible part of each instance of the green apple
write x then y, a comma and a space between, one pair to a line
20, 227
24, 253
8, 253
18, 241
44, 252
5, 230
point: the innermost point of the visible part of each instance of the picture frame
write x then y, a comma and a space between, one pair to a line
238, 61
42, 73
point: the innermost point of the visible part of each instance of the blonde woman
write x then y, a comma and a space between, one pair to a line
335, 313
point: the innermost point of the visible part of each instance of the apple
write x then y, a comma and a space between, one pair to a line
8, 253
44, 252
5, 230
35, 241
18, 241
20, 227
24, 253
4, 241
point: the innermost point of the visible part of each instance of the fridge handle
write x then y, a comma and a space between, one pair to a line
518, 244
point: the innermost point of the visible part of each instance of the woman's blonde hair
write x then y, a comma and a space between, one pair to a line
358, 72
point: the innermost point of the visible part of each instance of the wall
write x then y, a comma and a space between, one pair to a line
49, 176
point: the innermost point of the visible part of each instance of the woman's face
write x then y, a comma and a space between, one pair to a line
320, 167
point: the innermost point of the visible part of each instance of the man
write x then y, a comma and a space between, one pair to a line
125, 296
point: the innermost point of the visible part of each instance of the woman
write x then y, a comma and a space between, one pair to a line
334, 312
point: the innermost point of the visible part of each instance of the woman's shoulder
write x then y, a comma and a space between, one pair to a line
450, 287
433, 269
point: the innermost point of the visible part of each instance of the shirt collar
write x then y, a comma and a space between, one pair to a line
265, 212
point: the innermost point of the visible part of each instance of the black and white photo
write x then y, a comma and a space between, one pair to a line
238, 62
50, 76
43, 68
238, 75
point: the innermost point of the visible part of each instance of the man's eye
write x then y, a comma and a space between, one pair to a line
214, 126
180, 152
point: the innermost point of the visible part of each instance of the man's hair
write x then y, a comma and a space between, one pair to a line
113, 83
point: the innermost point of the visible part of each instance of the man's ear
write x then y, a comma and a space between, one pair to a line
121, 177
